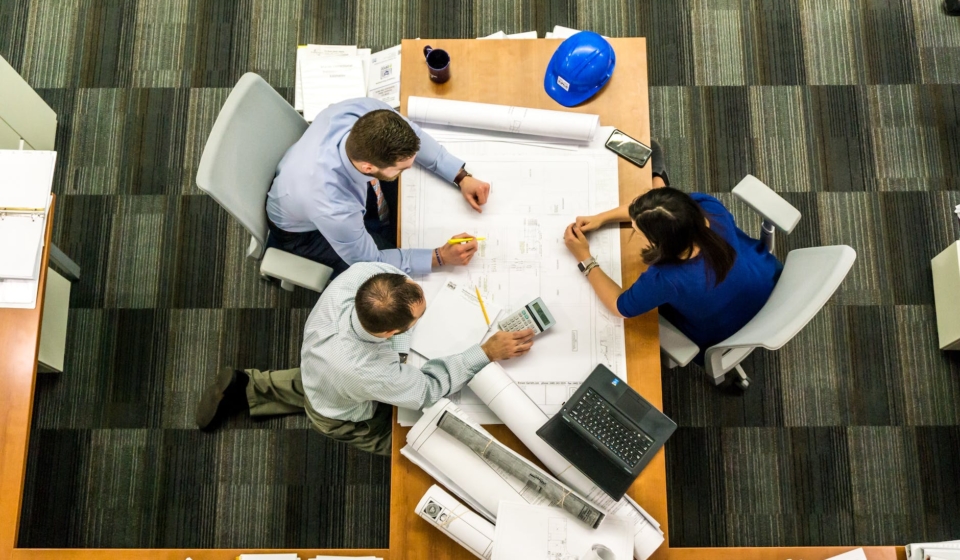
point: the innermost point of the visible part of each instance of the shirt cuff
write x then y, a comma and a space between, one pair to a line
421, 261
475, 359
449, 165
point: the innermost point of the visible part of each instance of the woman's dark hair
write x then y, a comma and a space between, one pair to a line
384, 302
674, 223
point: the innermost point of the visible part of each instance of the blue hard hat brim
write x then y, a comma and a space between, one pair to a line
564, 97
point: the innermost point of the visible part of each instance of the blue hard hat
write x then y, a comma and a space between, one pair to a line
579, 68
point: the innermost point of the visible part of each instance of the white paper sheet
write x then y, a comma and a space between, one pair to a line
497, 35
518, 120
383, 78
453, 321
523, 35
328, 80
494, 387
455, 520
855, 554
26, 179
525, 532
314, 51
535, 194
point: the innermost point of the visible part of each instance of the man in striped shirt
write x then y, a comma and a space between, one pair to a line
352, 366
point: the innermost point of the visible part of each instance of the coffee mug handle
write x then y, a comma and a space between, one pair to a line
426, 50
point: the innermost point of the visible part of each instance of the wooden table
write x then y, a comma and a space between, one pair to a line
510, 72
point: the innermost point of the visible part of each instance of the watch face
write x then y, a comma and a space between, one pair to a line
581, 267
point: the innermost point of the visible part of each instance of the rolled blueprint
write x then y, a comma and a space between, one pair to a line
455, 520
484, 445
508, 401
484, 484
504, 118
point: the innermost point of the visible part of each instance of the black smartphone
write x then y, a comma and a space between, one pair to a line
628, 148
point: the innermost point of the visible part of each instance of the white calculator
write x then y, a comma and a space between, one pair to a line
533, 315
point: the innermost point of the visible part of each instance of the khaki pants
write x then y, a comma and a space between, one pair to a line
281, 392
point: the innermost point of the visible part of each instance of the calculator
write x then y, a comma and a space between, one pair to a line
533, 315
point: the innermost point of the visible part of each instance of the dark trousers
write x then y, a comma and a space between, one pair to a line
314, 246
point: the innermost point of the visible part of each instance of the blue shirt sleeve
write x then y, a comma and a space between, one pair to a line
650, 291
342, 225
434, 157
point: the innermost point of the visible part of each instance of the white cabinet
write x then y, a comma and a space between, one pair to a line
946, 292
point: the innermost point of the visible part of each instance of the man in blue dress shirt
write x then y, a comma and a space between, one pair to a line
334, 197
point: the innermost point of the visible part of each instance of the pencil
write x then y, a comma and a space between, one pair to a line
482, 307
465, 240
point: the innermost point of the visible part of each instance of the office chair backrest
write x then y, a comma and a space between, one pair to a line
809, 278
253, 131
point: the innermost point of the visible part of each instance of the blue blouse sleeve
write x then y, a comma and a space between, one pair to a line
651, 290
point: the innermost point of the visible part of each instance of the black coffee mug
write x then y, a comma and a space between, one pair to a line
438, 64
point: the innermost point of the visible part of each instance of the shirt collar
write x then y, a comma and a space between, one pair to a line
352, 171
361, 332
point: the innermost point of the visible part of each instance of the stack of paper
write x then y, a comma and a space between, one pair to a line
947, 550
561, 32
328, 74
502, 35
25, 183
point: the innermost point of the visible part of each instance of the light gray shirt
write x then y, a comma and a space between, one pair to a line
346, 370
318, 188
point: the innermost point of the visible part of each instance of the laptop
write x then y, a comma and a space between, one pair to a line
608, 431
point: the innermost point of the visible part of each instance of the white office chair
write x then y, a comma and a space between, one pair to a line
253, 131
809, 278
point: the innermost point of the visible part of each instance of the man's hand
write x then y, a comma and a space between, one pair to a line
505, 345
588, 223
576, 243
475, 192
457, 253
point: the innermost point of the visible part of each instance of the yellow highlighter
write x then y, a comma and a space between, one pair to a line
482, 307
456, 240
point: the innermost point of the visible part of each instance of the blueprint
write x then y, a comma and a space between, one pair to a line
535, 193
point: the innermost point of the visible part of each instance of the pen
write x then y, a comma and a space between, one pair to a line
482, 307
465, 240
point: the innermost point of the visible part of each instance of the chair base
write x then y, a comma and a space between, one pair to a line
734, 378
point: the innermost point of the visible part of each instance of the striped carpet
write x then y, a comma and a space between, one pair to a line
850, 434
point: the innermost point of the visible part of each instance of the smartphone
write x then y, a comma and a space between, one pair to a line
628, 148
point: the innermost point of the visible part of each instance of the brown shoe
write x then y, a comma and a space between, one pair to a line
213, 395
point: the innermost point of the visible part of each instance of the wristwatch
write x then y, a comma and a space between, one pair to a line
463, 174
587, 265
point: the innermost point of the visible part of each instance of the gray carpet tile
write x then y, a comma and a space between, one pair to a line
850, 108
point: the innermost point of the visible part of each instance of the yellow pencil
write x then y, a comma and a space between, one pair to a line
482, 307
465, 240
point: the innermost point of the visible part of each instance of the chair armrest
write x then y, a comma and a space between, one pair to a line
676, 345
295, 270
767, 203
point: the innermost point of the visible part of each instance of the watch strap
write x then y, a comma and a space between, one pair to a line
461, 175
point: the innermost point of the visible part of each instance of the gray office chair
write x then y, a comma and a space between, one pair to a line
253, 131
809, 278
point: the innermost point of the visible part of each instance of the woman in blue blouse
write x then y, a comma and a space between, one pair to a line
707, 277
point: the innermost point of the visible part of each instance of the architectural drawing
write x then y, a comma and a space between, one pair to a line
535, 193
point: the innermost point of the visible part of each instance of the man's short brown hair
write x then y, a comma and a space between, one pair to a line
382, 138
384, 302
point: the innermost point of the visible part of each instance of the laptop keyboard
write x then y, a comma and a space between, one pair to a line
594, 414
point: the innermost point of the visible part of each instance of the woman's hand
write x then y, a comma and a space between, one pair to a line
576, 243
589, 223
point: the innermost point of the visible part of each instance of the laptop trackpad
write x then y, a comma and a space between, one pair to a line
595, 465
632, 407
